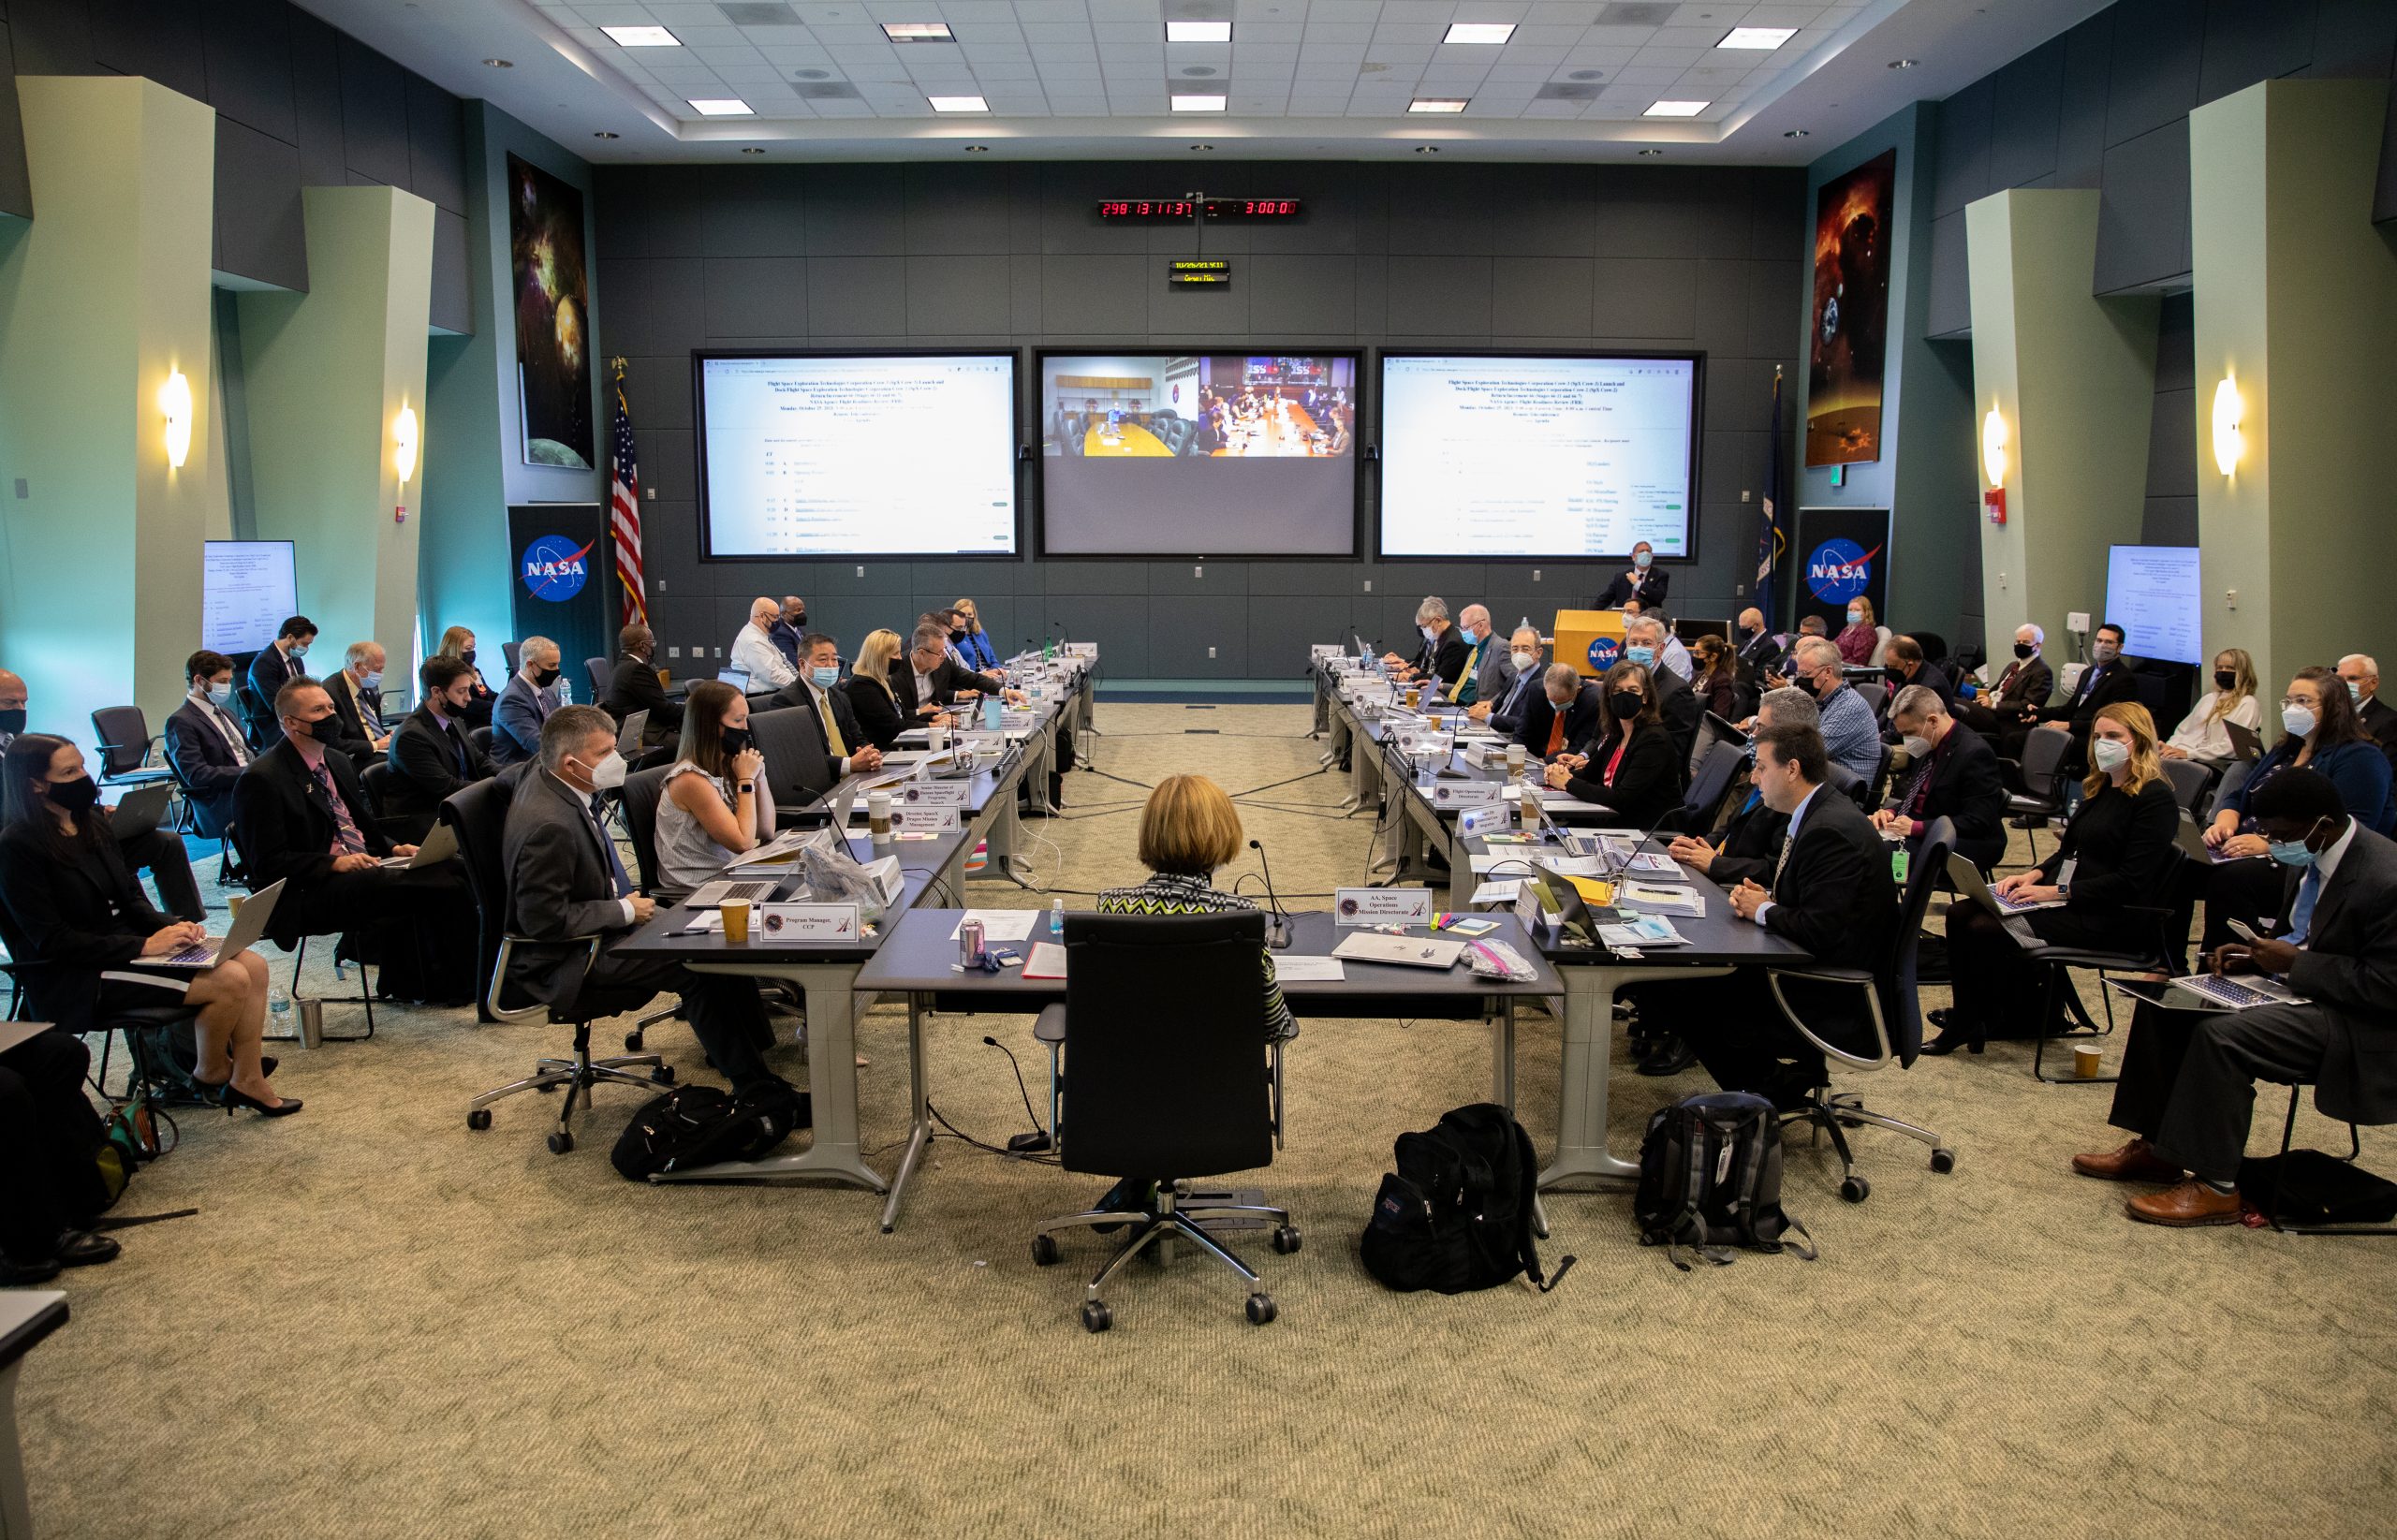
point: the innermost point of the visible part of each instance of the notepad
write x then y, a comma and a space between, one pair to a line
1048, 961
1289, 969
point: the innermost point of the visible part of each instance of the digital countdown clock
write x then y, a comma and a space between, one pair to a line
1175, 211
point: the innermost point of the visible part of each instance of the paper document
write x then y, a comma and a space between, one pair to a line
1048, 961
1499, 891
706, 919
1513, 861
782, 848
1664, 898
1290, 969
1001, 924
1647, 931
1577, 866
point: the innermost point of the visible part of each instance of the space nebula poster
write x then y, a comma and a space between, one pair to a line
553, 318
1849, 340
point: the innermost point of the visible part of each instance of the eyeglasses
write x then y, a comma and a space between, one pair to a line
2306, 701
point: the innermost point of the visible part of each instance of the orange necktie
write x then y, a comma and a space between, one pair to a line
1556, 730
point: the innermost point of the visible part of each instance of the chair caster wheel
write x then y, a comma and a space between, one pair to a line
1943, 1161
479, 1119
547, 1090
1261, 1309
1097, 1316
632, 1041
1044, 1251
1287, 1240
662, 1075
560, 1142
1854, 1189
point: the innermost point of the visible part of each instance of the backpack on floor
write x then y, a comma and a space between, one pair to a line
1709, 1179
701, 1124
1456, 1213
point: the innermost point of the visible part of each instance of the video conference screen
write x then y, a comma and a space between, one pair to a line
1497, 456
891, 455
1198, 454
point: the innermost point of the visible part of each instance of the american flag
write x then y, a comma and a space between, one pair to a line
624, 509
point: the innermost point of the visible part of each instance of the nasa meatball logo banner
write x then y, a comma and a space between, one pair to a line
1844, 555
560, 583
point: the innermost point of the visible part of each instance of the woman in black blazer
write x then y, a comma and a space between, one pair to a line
83, 932
1630, 768
2120, 848
1642, 582
868, 687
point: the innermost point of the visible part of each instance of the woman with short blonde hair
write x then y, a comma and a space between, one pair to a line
868, 688
1188, 832
459, 642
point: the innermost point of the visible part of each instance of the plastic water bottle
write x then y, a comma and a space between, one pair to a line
278, 1006
565, 691
1057, 918
991, 709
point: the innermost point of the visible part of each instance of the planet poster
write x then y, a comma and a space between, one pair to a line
553, 318
1849, 337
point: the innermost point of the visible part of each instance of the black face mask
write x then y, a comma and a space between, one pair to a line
1751, 632
468, 657
2023, 649
305, 731
1624, 707
958, 635
797, 621
545, 678
76, 795
13, 721
2225, 679
735, 740
1805, 682
1894, 675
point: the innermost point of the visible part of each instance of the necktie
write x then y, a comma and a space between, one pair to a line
831, 725
623, 884
457, 749
2300, 914
1472, 661
1781, 860
1556, 728
347, 841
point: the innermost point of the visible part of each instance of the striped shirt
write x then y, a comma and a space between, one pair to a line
1173, 893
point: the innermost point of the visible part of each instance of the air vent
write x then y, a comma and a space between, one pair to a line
1635, 13
828, 91
1564, 90
742, 14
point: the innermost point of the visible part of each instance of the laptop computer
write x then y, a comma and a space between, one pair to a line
736, 678
1402, 951
2244, 742
2207, 994
138, 812
628, 735
248, 927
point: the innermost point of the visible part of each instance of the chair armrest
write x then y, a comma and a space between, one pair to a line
1854, 977
509, 941
2082, 957
1825, 975
1049, 1026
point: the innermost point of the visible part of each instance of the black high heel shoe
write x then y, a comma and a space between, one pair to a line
1953, 1034
234, 1101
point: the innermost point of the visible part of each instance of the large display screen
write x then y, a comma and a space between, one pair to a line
247, 590
1495, 456
1198, 454
862, 455
2152, 592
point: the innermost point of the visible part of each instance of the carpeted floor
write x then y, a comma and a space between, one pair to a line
382, 1324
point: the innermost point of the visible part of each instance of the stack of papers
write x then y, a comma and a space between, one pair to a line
1664, 898
1290, 969
1647, 931
1499, 891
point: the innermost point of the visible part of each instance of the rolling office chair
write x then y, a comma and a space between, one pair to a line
513, 653
2192, 783
150, 1031
1892, 997
1707, 787
600, 676
479, 737
1849, 785
2043, 785
1163, 1080
123, 737
478, 814
2168, 954
798, 770
392, 799
1874, 692
639, 798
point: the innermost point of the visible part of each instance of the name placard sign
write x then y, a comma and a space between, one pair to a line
1455, 796
1382, 906
835, 922
926, 820
933, 794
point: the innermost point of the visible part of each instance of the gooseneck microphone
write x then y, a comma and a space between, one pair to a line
1281, 932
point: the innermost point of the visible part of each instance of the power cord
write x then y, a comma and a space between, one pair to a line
1038, 1139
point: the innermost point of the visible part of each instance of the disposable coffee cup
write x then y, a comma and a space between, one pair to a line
877, 813
1514, 759
736, 919
233, 902
937, 734
2087, 1060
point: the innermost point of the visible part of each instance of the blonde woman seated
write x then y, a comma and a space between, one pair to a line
715, 803
2201, 735
875, 702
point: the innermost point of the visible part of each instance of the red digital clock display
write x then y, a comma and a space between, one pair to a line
1179, 209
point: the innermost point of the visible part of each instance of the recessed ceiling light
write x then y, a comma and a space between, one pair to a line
603, 134
918, 32
1904, 64
1793, 133
1675, 109
1427, 148
1479, 32
1763, 40
751, 150
499, 64
1651, 152
1197, 32
959, 103
1436, 104
642, 37
977, 149
1198, 104
721, 106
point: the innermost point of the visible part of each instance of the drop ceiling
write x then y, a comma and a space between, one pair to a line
1579, 80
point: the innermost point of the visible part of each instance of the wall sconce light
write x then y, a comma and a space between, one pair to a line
2228, 442
175, 400
403, 444
1993, 447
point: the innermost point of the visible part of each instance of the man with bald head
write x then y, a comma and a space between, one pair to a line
2362, 673
13, 707
753, 652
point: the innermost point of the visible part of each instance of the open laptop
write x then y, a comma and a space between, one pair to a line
628, 735
736, 678
1968, 881
2208, 993
138, 812
248, 928
2244, 742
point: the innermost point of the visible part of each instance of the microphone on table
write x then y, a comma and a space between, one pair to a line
1281, 932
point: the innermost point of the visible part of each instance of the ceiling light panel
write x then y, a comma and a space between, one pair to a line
721, 106
641, 37
1675, 109
959, 103
918, 32
1763, 40
1478, 32
1183, 103
1197, 32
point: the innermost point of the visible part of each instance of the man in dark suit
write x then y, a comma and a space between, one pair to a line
566, 881
275, 666
634, 686
2188, 1090
1502, 710
306, 821
1560, 718
357, 693
524, 703
846, 745
1757, 650
1444, 649
1952, 773
1903, 665
431, 755
2105, 680
931, 677
2000, 714
205, 746
2362, 675
1829, 892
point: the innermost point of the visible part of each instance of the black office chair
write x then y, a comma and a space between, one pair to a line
478, 814
480, 739
1873, 693
1849, 785
601, 676
397, 810
122, 736
2043, 784
798, 770
513, 653
2167, 952
150, 1031
1704, 797
1166, 1076
2193, 781
1892, 997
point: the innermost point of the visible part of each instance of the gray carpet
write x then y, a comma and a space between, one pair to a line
382, 1324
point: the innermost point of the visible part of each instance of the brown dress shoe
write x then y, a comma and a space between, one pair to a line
2191, 1203
2134, 1162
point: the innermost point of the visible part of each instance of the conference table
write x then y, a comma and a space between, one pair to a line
1130, 438
1275, 434
919, 959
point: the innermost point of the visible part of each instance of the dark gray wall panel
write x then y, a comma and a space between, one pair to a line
1183, 630
160, 38
1546, 214
436, 146
1777, 309
1952, 296
249, 64
1442, 213
16, 187
52, 37
677, 305
1439, 296
857, 296
756, 297
2081, 122
454, 303
666, 463
1645, 299
316, 101
259, 230
1196, 580
2027, 101
2245, 42
755, 213
1120, 625
2173, 446
1720, 322
2157, 46
955, 208
1542, 295
1095, 296
2143, 211
851, 212
2353, 39
956, 296
1962, 172
2170, 521
1300, 296
373, 114
2176, 343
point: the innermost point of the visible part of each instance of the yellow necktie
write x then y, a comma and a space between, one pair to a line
1472, 659
831, 726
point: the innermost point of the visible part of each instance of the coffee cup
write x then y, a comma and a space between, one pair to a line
2087, 1060
736, 919
1514, 759
877, 813
937, 735
233, 902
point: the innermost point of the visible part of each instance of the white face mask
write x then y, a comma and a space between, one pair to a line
2109, 755
219, 693
609, 773
1643, 561
2299, 721
1524, 661
2104, 652
1917, 745
1429, 635
1856, 617
371, 682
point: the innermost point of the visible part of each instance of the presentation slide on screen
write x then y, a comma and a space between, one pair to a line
246, 591
1536, 457
2151, 593
901, 456
1198, 454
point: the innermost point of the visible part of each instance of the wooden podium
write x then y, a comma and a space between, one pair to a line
1589, 640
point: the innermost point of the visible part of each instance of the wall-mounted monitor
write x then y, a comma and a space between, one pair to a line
1198, 454
1556, 455
248, 589
2152, 592
856, 454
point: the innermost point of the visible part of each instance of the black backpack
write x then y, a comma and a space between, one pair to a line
700, 1124
1709, 1179
1456, 1213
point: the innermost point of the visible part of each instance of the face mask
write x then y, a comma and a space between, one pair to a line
1856, 617
2023, 649
1524, 661
798, 621
2292, 854
305, 731
299, 648
1917, 745
1805, 682
735, 740
2110, 754
371, 682
468, 657
1894, 674
2225, 679
76, 795
13, 721
1624, 706
1429, 635
2104, 652
2355, 691
1643, 561
609, 773
958, 635
1640, 652
2299, 721
826, 678
219, 693
544, 678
